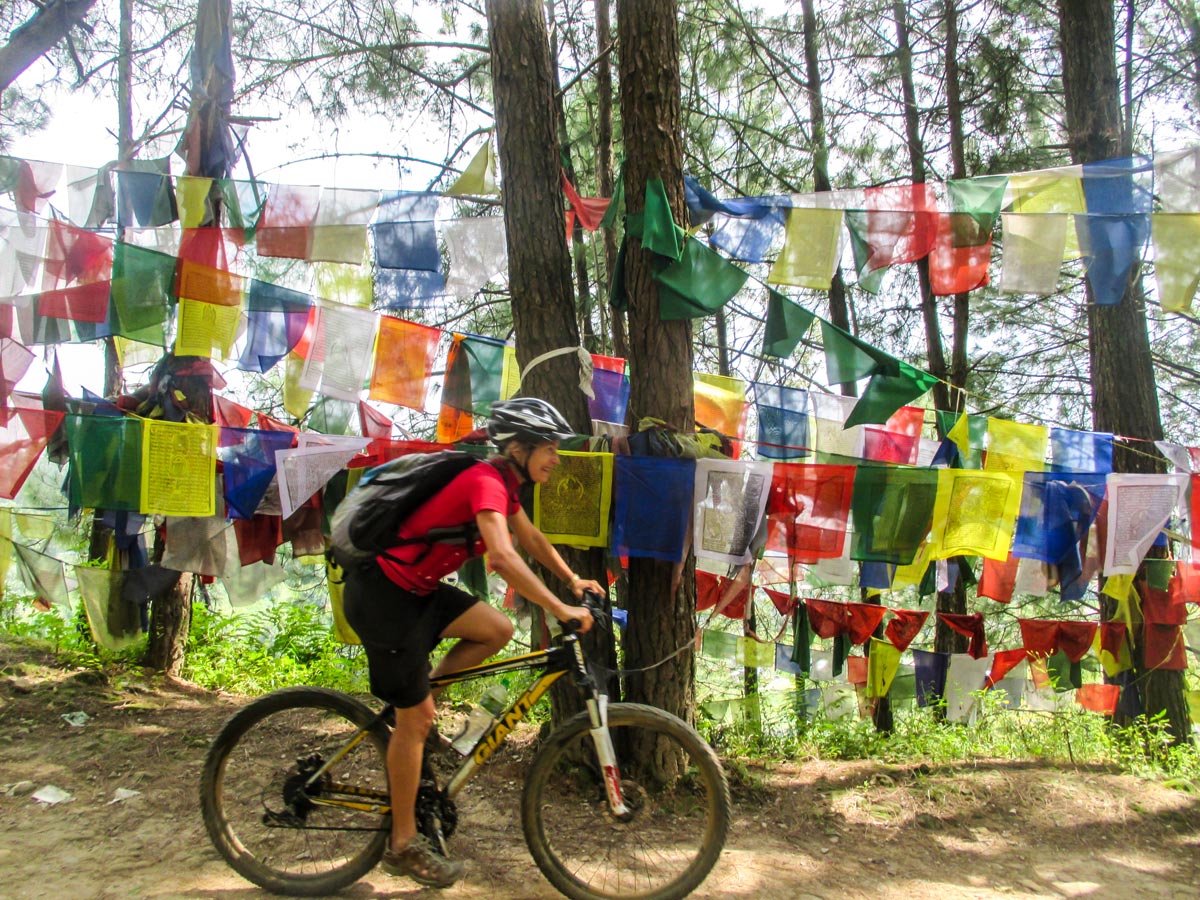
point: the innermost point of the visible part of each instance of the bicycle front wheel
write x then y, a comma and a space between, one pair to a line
673, 785
270, 823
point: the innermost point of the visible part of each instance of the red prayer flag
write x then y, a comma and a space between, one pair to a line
898, 439
81, 303
862, 619
372, 422
783, 603
1003, 663
901, 224
1158, 608
999, 579
1075, 639
589, 210
1185, 583
229, 414
970, 626
906, 624
708, 590
1101, 698
856, 669
807, 510
25, 427
75, 256
955, 266
1162, 647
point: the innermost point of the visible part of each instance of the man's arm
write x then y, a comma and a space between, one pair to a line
508, 564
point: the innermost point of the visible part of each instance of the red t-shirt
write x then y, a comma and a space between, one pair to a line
484, 486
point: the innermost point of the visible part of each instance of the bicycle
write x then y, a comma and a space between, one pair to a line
295, 798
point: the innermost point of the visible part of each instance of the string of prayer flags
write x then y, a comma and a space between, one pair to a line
404, 357
730, 498
698, 283
787, 323
720, 403
808, 509
1138, 508
811, 249
891, 509
1015, 446
653, 497
478, 179
573, 506
782, 421
179, 467
975, 513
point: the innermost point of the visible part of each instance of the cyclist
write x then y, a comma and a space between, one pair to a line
401, 609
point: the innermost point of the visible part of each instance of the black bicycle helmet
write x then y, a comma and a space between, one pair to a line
527, 419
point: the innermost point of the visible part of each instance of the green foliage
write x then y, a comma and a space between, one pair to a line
284, 644
922, 735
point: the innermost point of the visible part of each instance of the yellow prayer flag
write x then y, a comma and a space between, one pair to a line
912, 574
479, 177
342, 631
6, 547
573, 506
1051, 192
1034, 247
179, 468
1120, 588
191, 196
510, 375
810, 249
349, 285
1113, 665
720, 402
882, 665
1176, 260
975, 513
1016, 447
203, 328
755, 654
295, 398
35, 526
961, 435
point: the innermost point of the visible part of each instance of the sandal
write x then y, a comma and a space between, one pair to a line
420, 862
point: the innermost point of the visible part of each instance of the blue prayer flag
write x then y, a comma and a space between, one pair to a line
652, 506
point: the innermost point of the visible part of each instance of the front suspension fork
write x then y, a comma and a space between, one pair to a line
597, 706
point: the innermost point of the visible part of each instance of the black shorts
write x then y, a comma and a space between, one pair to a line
399, 630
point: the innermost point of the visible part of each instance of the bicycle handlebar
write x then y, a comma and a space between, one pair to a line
595, 604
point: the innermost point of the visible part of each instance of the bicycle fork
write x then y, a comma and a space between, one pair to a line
597, 706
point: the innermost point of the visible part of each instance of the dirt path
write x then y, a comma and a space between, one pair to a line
819, 830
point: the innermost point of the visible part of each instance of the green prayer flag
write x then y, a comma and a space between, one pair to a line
472, 577
617, 201
618, 299
479, 177
891, 508
105, 462
977, 427
143, 290
848, 359
870, 280
487, 371
698, 283
787, 323
801, 639
659, 231
886, 393
981, 199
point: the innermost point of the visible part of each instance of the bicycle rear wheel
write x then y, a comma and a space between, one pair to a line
679, 802
270, 827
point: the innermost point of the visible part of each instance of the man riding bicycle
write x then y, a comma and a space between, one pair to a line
401, 609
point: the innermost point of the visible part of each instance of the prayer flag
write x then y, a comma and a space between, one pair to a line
1176, 263
782, 421
975, 513
652, 503
891, 509
810, 250
882, 664
1034, 247
730, 499
287, 220
405, 235
787, 323
660, 234
105, 462
479, 177
1015, 447
339, 231
179, 468
720, 403
476, 251
573, 506
404, 356
808, 509
24, 432
698, 283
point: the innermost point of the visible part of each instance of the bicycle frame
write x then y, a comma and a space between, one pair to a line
556, 662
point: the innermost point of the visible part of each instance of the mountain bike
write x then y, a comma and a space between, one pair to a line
622, 801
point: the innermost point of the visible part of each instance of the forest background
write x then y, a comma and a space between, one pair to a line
890, 92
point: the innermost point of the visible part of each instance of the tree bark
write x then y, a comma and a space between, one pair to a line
523, 88
661, 603
604, 161
43, 30
1124, 393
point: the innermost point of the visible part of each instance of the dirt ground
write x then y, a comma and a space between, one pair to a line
977, 831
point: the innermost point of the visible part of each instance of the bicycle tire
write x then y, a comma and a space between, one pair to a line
680, 818
259, 756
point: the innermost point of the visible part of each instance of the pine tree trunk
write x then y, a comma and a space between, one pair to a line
661, 606
538, 261
170, 622
604, 160
1124, 393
